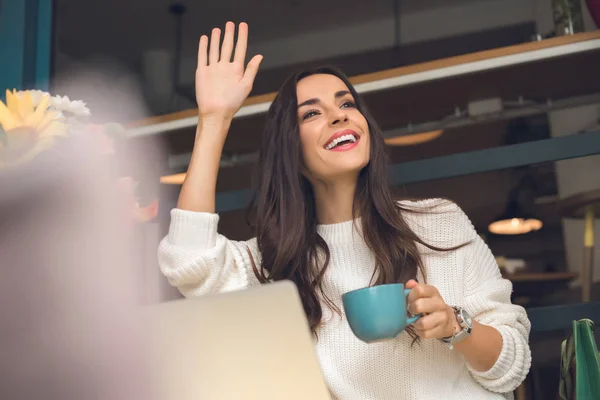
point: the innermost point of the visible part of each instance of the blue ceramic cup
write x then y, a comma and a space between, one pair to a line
378, 313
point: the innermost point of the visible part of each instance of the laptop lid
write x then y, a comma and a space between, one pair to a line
249, 344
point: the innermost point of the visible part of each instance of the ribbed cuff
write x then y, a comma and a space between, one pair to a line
505, 360
197, 230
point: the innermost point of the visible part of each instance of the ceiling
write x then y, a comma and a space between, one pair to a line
124, 29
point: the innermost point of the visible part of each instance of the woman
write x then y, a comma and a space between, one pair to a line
326, 219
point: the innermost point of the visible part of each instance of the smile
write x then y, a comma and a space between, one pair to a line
342, 141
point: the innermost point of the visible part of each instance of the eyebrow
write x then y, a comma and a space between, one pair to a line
308, 102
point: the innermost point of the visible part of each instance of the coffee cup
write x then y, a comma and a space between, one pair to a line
378, 313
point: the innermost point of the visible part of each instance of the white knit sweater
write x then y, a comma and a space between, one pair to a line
197, 260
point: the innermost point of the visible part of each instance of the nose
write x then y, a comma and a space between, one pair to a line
339, 115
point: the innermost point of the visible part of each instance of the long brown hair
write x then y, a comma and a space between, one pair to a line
286, 219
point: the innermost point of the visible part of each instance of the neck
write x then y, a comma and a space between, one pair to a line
334, 200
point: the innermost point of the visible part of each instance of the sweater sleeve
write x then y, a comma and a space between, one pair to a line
487, 299
197, 260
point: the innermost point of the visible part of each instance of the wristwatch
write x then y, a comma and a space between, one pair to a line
466, 324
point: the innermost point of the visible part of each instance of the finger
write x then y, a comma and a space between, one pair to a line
416, 292
428, 322
203, 51
215, 38
426, 305
411, 284
242, 43
421, 290
431, 326
227, 42
252, 70
436, 333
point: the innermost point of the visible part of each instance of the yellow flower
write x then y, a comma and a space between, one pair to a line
27, 130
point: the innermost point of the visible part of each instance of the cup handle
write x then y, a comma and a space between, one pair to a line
414, 318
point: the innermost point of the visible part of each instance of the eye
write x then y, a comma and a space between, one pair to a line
348, 103
310, 114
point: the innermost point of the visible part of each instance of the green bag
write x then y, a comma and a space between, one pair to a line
580, 364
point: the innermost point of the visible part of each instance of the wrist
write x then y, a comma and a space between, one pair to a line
456, 328
453, 326
462, 325
213, 127
214, 120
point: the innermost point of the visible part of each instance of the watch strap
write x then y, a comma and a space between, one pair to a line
463, 333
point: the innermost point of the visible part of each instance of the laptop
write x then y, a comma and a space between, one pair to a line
248, 344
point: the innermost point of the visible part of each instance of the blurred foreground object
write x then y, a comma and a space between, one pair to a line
34, 121
69, 312
28, 128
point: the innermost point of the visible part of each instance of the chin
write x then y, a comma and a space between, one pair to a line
349, 168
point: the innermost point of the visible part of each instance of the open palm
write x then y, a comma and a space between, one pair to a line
222, 84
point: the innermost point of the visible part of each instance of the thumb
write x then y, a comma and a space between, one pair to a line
251, 70
411, 284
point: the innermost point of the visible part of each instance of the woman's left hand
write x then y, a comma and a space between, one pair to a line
438, 319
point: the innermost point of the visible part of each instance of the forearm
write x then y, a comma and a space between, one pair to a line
482, 348
198, 190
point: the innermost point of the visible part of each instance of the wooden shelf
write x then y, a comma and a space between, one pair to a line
575, 206
407, 76
541, 277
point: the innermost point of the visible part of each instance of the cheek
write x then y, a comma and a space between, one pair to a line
367, 151
358, 118
308, 143
367, 139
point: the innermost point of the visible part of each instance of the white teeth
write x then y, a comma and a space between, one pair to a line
334, 142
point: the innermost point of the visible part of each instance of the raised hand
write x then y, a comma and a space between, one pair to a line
223, 83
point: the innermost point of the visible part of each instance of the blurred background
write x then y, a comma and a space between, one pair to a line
494, 104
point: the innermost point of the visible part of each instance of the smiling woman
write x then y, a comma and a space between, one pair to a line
333, 132
303, 186
325, 218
